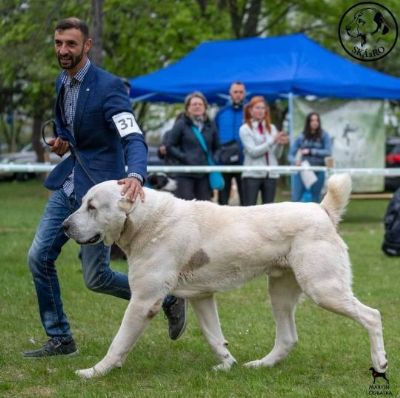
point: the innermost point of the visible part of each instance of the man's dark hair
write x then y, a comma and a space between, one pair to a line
74, 23
238, 82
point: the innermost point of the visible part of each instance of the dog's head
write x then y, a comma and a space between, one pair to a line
101, 217
367, 21
161, 182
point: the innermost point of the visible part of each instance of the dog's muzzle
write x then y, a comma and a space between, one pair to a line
95, 239
91, 241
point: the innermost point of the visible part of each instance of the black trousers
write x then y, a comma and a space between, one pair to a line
251, 187
223, 195
193, 188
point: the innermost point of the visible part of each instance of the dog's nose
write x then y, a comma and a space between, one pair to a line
66, 226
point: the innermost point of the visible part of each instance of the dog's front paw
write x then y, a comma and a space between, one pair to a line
253, 364
87, 373
224, 366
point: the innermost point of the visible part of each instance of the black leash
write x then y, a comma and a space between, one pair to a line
74, 152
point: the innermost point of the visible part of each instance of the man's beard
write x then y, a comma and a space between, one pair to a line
237, 104
70, 60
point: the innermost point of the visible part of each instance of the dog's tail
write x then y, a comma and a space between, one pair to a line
337, 196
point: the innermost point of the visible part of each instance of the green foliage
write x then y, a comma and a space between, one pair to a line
331, 359
141, 36
28, 69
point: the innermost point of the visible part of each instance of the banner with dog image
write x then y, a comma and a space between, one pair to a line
357, 131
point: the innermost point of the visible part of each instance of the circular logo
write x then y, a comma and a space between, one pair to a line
368, 31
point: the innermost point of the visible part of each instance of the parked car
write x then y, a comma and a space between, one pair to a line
25, 156
392, 159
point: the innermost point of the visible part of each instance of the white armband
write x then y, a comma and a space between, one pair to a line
126, 124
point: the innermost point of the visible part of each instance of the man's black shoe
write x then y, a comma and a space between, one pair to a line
176, 315
55, 346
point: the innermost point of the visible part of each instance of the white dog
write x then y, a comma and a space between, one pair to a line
193, 249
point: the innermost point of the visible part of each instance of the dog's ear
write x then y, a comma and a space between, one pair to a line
152, 179
380, 20
125, 205
385, 30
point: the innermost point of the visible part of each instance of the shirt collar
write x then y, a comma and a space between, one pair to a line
237, 107
255, 123
79, 76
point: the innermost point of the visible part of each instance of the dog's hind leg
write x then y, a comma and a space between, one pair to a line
326, 279
368, 317
207, 315
284, 292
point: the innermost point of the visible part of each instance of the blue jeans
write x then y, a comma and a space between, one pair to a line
46, 246
298, 187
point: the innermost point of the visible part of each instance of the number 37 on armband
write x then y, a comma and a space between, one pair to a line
126, 124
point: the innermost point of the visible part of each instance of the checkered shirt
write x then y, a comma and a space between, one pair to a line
72, 86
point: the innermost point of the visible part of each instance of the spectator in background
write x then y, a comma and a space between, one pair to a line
163, 153
312, 145
183, 146
262, 145
228, 121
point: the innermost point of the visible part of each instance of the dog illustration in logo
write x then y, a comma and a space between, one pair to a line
376, 374
366, 23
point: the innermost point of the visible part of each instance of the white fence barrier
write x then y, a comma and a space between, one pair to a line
283, 170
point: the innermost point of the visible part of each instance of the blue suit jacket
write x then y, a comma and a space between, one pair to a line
97, 141
228, 121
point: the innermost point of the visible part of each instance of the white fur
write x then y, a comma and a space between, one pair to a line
193, 249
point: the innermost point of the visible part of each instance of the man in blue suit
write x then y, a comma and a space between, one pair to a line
94, 122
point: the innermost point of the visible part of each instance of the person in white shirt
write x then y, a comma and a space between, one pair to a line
262, 146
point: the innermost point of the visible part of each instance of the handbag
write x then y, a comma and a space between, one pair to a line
308, 177
215, 178
230, 153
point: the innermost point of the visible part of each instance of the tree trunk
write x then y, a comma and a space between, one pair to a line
236, 18
203, 6
253, 17
96, 53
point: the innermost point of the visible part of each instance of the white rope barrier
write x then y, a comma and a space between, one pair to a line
283, 170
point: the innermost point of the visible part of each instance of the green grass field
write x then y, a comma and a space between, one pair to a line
331, 360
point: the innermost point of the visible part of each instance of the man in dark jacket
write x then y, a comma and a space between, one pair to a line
94, 122
228, 121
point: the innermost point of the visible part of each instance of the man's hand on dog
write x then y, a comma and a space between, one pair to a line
132, 188
59, 146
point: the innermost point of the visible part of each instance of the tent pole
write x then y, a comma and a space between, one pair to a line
290, 106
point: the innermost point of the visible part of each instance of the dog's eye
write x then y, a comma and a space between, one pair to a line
91, 207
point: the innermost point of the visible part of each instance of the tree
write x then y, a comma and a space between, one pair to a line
96, 53
141, 36
28, 71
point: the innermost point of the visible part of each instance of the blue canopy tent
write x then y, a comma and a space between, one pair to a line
276, 66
